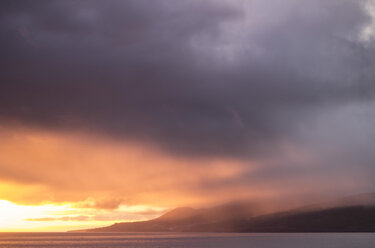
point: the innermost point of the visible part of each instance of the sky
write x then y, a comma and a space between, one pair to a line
121, 110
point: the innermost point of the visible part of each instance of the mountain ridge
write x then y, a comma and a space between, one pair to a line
351, 216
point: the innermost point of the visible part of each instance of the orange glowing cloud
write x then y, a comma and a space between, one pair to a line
99, 173
90, 181
75, 180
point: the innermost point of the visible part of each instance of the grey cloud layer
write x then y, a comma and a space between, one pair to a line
195, 77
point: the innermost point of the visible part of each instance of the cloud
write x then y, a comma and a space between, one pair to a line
102, 174
102, 217
104, 203
75, 213
65, 218
173, 74
243, 96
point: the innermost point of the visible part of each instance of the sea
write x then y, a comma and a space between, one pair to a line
188, 240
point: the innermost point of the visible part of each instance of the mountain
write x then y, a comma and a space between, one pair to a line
355, 214
339, 219
186, 219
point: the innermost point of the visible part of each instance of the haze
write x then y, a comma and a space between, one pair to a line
120, 110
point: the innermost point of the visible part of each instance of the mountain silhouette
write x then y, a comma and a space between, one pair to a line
351, 214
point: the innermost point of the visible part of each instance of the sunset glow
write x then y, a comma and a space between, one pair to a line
100, 195
64, 217
123, 111
14, 217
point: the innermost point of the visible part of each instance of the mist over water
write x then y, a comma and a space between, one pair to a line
186, 240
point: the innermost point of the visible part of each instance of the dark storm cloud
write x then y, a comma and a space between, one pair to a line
196, 77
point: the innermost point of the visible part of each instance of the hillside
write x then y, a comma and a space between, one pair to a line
357, 217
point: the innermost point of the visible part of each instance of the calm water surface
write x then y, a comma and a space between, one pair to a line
185, 240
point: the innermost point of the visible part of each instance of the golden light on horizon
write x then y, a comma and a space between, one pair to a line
72, 181
13, 217
65, 217
66, 180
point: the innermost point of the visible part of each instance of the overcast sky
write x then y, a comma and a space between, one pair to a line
168, 103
